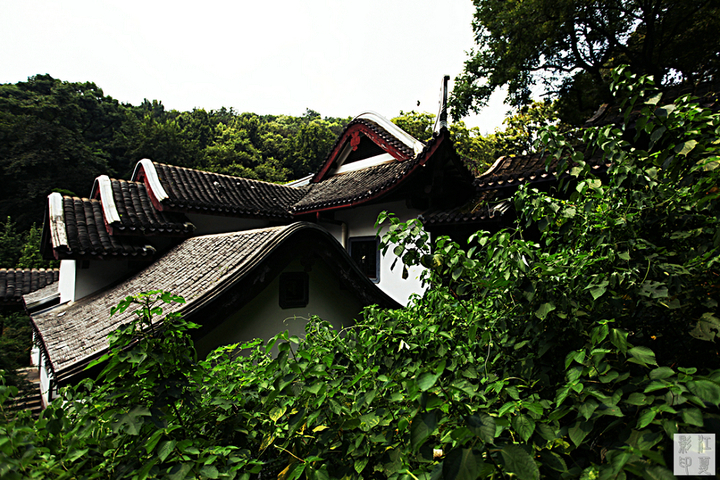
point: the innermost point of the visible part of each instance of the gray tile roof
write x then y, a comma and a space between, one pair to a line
87, 236
362, 185
14, 283
486, 205
138, 215
205, 192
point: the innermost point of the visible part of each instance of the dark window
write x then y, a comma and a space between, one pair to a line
294, 289
364, 250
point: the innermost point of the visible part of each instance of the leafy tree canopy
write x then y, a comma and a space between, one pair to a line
571, 46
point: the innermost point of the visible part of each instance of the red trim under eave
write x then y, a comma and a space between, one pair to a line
426, 156
142, 177
368, 132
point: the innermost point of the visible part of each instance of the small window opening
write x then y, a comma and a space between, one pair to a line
364, 251
294, 289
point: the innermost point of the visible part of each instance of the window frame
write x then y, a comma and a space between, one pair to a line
286, 279
363, 239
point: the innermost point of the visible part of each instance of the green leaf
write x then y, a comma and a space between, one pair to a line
685, 147
460, 464
646, 418
599, 290
707, 390
639, 399
642, 356
693, 416
587, 408
427, 380
553, 460
166, 449
360, 464
579, 431
519, 462
544, 309
661, 372
523, 425
483, 426
658, 472
179, 471
423, 425
619, 339
209, 471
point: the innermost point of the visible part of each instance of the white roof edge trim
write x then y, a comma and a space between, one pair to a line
300, 181
153, 180
107, 200
57, 220
381, 159
494, 166
394, 130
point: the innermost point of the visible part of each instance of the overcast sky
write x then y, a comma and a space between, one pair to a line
337, 57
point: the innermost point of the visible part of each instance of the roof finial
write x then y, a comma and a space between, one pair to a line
443, 105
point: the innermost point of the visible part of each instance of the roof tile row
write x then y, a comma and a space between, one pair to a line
14, 283
87, 235
195, 190
139, 216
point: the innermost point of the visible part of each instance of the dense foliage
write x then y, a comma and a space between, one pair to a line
572, 45
576, 355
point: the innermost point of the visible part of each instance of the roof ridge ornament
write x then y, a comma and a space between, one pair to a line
107, 200
57, 220
152, 178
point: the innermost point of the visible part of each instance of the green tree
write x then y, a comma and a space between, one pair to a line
572, 45
30, 256
10, 244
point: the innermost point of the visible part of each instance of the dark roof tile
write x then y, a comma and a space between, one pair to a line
361, 185
86, 235
14, 283
197, 191
138, 215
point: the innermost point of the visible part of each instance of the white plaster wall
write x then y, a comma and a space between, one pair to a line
208, 224
263, 317
35, 352
99, 274
361, 223
45, 376
67, 281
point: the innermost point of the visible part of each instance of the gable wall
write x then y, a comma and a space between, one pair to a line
263, 317
361, 223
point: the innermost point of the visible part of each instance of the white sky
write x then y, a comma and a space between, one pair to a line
337, 57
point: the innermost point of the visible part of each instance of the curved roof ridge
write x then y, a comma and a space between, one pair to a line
397, 132
153, 180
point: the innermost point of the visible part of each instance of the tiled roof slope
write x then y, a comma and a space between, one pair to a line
14, 283
362, 185
513, 171
197, 269
485, 205
74, 331
204, 192
137, 215
78, 231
